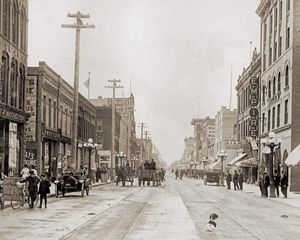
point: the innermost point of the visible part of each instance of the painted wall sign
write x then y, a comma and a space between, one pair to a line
31, 96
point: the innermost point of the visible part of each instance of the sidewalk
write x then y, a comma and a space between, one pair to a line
293, 199
52, 190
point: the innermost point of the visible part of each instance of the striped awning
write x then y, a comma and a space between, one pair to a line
249, 162
236, 159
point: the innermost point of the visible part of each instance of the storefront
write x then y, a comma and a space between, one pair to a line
11, 141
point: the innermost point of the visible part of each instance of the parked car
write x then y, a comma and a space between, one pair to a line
212, 177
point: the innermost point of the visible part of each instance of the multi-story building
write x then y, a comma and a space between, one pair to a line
49, 98
13, 48
207, 137
198, 131
280, 71
248, 118
225, 135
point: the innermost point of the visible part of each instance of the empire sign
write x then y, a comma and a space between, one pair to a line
254, 98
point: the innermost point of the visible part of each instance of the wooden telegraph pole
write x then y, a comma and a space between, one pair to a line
113, 86
142, 126
78, 26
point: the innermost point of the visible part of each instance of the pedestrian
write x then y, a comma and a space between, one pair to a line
284, 184
44, 189
152, 165
276, 179
32, 186
241, 179
98, 174
235, 180
34, 170
228, 180
261, 184
176, 174
25, 171
266, 184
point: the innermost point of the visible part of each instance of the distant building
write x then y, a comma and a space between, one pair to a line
198, 131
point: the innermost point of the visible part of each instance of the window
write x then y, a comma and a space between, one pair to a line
21, 86
15, 23
269, 119
280, 46
269, 89
50, 113
44, 109
278, 115
274, 86
6, 19
287, 38
23, 30
275, 50
271, 24
286, 113
61, 118
263, 94
71, 120
13, 83
54, 114
279, 83
270, 55
66, 123
99, 125
288, 5
276, 18
280, 10
4, 77
273, 117
263, 123
287, 76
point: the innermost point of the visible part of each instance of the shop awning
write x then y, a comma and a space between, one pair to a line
216, 165
236, 159
294, 158
249, 162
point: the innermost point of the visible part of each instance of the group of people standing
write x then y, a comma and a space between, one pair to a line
264, 183
237, 179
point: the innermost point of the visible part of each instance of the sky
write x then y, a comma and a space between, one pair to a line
176, 55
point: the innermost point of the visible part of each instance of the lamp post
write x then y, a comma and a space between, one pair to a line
121, 157
222, 155
204, 161
90, 145
272, 142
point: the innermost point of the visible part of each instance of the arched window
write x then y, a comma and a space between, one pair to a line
4, 76
6, 18
287, 76
23, 30
279, 83
21, 86
13, 83
274, 85
269, 89
15, 25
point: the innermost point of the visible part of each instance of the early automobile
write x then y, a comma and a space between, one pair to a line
211, 177
72, 181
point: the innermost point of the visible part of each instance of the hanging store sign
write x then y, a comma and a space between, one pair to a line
31, 97
254, 98
13, 116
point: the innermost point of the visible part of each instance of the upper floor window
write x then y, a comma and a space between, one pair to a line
21, 86
274, 86
23, 30
271, 24
6, 18
278, 115
287, 38
50, 113
15, 25
279, 83
269, 89
280, 10
263, 123
13, 83
286, 111
273, 117
54, 114
287, 76
269, 120
263, 94
288, 5
44, 109
99, 125
4, 76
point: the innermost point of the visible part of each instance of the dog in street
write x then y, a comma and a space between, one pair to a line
211, 225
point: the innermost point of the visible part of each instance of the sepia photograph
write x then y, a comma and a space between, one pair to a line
150, 119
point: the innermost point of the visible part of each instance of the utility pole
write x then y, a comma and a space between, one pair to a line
78, 26
113, 111
142, 126
147, 137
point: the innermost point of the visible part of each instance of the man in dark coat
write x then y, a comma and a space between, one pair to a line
152, 165
44, 189
284, 184
147, 165
228, 180
266, 184
241, 179
32, 186
235, 180
276, 179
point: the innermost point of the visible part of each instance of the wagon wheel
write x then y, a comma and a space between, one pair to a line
87, 190
82, 190
18, 204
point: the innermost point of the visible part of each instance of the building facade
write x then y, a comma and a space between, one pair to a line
280, 71
49, 129
13, 46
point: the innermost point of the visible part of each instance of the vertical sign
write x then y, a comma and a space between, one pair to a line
254, 98
31, 96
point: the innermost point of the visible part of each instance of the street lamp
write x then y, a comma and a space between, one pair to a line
90, 146
204, 161
121, 156
272, 143
222, 155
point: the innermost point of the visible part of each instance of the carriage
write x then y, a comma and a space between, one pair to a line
72, 181
147, 175
124, 174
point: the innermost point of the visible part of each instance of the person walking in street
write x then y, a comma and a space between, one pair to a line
228, 180
32, 186
284, 184
241, 179
235, 180
44, 189
25, 172
266, 184
276, 179
176, 174
261, 184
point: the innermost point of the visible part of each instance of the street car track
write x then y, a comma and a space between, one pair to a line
194, 189
126, 230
